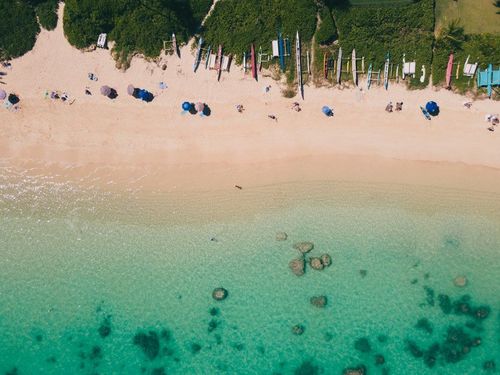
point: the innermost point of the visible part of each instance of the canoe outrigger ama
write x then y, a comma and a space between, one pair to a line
198, 55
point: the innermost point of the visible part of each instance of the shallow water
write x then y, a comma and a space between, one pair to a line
85, 271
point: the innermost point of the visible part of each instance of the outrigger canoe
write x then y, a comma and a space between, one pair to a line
174, 43
354, 71
339, 66
209, 49
449, 71
369, 82
253, 60
219, 62
386, 72
198, 55
298, 53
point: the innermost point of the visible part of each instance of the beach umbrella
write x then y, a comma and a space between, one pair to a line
3, 94
186, 106
105, 90
327, 111
432, 108
200, 107
130, 89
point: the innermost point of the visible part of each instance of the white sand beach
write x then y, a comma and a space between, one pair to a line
155, 142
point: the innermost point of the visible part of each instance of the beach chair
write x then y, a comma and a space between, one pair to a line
101, 41
469, 69
409, 69
211, 61
225, 63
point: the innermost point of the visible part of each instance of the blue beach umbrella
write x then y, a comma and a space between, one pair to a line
432, 108
186, 106
327, 111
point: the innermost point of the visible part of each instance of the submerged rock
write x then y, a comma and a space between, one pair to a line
297, 266
429, 295
318, 301
105, 327
430, 355
379, 359
212, 325
445, 303
298, 329
363, 273
195, 348
363, 345
460, 281
304, 247
424, 325
489, 366
326, 259
281, 236
158, 371
149, 343
316, 263
481, 312
307, 368
219, 294
359, 370
214, 311
414, 349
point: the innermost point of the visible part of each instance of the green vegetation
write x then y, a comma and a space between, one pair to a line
327, 31
484, 48
374, 31
18, 28
137, 26
476, 16
237, 24
46, 12
379, 2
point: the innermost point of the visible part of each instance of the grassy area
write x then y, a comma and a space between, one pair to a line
477, 16
379, 2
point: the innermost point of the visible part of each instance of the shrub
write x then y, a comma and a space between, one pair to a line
327, 31
47, 14
18, 28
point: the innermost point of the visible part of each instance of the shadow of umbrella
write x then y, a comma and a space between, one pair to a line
13, 99
207, 111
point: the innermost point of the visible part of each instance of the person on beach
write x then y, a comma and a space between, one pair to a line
399, 106
296, 107
273, 117
87, 91
388, 108
240, 108
467, 105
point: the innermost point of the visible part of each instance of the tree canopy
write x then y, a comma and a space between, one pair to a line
135, 25
19, 26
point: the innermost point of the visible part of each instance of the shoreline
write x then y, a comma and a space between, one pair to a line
129, 139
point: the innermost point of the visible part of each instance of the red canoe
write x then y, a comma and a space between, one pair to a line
449, 71
254, 62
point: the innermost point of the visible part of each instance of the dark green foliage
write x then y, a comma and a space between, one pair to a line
47, 14
136, 26
375, 30
18, 28
237, 24
482, 48
327, 31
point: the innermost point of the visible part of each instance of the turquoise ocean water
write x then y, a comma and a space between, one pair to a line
121, 283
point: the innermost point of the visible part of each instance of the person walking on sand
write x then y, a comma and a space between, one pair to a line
273, 117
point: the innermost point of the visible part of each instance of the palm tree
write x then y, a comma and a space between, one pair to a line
454, 34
